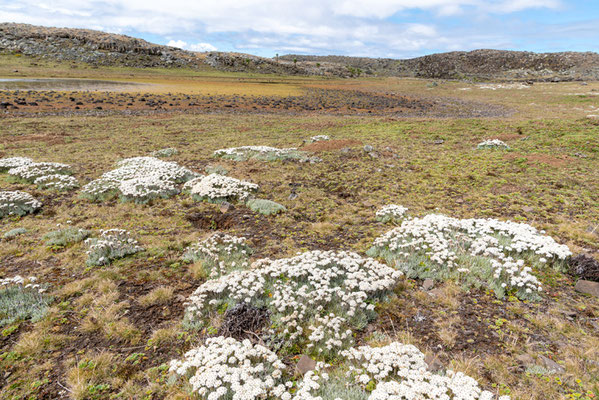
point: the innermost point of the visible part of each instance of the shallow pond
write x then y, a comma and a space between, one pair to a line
62, 84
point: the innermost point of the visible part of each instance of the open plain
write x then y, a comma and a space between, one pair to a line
111, 330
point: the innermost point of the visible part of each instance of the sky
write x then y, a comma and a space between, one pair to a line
372, 28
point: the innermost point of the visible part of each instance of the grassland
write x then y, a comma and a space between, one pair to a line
110, 330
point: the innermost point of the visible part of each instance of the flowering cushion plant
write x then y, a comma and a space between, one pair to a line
263, 153
139, 179
17, 203
391, 213
314, 299
112, 244
216, 188
480, 252
220, 254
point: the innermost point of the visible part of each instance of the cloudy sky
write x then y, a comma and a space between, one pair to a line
375, 28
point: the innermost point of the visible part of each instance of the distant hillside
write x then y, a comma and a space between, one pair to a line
480, 64
100, 48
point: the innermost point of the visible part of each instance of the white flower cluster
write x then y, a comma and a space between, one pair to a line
319, 138
139, 179
479, 251
24, 283
13, 162
492, 144
216, 188
112, 244
391, 212
399, 372
32, 171
224, 368
263, 153
58, 182
220, 253
318, 293
17, 203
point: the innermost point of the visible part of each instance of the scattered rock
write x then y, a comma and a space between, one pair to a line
584, 267
588, 287
528, 209
525, 359
304, 365
368, 148
428, 284
225, 207
434, 364
439, 141
551, 365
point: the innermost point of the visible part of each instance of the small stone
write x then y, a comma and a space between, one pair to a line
180, 298
439, 141
551, 365
588, 287
525, 359
433, 363
225, 207
305, 364
368, 148
428, 284
527, 209
293, 196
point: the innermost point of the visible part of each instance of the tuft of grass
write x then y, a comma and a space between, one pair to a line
159, 295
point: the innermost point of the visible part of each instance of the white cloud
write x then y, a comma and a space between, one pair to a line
320, 26
193, 47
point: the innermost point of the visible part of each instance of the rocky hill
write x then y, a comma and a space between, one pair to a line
100, 48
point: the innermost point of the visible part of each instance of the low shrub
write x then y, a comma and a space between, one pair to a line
478, 252
138, 179
65, 237
61, 183
217, 188
265, 207
314, 299
219, 254
391, 213
13, 233
168, 152
32, 171
13, 162
111, 245
22, 299
262, 153
17, 204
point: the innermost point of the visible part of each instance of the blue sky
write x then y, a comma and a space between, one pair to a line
374, 28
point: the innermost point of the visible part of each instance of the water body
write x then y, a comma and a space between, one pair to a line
62, 84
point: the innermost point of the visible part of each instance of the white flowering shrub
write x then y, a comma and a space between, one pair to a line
13, 162
22, 299
168, 152
262, 153
64, 237
139, 179
220, 254
218, 188
320, 295
479, 252
61, 183
224, 368
265, 207
391, 213
493, 144
398, 371
32, 171
17, 204
111, 245
319, 138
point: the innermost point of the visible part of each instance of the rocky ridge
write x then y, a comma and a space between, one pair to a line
100, 48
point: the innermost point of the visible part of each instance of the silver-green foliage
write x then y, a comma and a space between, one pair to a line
111, 245
17, 204
265, 207
65, 237
262, 153
14, 233
20, 303
220, 254
168, 152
